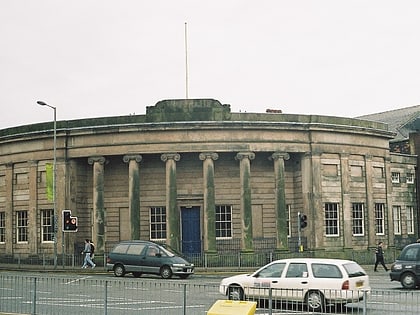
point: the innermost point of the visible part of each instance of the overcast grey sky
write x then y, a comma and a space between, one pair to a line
95, 58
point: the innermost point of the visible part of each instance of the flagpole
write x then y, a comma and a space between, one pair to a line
186, 60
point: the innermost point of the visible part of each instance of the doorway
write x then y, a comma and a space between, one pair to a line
191, 231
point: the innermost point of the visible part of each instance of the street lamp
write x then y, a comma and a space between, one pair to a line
54, 179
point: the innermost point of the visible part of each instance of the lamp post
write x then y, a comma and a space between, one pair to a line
54, 180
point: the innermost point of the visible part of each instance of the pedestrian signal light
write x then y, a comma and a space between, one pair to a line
69, 222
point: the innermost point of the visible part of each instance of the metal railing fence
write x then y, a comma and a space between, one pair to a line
65, 295
234, 260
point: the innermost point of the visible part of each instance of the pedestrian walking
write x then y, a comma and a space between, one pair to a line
379, 254
87, 251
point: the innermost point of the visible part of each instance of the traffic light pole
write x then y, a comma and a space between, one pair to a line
62, 246
299, 234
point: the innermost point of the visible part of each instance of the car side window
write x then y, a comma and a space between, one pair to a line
272, 271
326, 271
120, 249
152, 251
135, 249
297, 270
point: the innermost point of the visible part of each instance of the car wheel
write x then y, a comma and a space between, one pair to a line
119, 270
165, 272
137, 274
236, 293
315, 301
408, 281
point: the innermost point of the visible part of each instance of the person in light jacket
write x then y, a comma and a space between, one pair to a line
87, 251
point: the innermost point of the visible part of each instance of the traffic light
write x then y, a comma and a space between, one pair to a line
302, 220
69, 222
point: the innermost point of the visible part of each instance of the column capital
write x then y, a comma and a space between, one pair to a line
279, 155
242, 155
170, 156
136, 157
208, 155
100, 159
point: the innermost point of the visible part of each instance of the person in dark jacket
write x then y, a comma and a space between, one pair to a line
379, 253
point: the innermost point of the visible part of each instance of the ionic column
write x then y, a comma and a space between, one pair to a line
316, 235
98, 219
370, 205
389, 217
209, 200
172, 214
33, 201
346, 201
246, 201
134, 194
281, 211
312, 202
10, 184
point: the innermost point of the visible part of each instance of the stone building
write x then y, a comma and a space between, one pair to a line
203, 179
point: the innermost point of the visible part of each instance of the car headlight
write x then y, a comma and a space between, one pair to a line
397, 266
178, 265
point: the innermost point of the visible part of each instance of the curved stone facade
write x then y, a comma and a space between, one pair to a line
203, 179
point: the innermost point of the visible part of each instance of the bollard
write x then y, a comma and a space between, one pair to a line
227, 307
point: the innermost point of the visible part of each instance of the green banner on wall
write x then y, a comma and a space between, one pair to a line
50, 181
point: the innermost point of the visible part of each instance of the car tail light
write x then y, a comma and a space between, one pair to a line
108, 260
345, 285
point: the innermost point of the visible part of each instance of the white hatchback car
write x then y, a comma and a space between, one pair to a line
314, 282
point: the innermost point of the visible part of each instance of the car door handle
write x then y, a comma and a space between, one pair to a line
304, 282
274, 281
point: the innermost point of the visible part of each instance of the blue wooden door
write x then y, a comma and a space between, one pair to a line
191, 233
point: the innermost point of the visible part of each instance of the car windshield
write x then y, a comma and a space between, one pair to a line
166, 250
410, 254
354, 270
271, 271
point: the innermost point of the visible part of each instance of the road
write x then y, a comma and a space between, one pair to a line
91, 293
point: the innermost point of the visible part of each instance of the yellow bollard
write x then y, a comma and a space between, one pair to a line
227, 307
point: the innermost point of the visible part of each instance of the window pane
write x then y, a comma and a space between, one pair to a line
358, 219
396, 211
22, 226
2, 227
331, 219
410, 220
379, 218
223, 221
47, 225
158, 223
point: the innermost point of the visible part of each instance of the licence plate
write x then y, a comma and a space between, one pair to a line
359, 284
